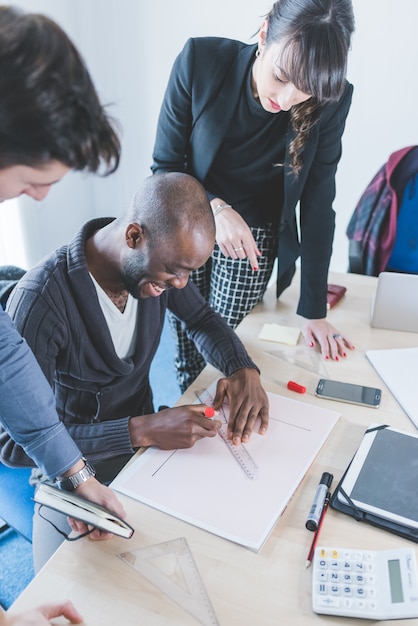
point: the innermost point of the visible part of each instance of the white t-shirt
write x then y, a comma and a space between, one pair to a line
122, 326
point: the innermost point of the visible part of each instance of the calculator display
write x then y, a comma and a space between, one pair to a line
395, 580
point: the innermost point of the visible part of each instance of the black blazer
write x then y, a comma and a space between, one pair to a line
198, 105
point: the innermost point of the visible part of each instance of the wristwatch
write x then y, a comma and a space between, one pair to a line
69, 483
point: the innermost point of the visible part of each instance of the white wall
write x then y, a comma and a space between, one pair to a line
129, 46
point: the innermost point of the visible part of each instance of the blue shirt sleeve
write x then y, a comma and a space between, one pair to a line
27, 407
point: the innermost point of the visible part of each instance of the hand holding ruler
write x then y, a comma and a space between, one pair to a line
239, 452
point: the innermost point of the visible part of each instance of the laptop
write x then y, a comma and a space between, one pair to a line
395, 305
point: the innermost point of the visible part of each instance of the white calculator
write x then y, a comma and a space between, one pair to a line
364, 583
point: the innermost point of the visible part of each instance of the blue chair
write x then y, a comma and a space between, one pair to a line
16, 504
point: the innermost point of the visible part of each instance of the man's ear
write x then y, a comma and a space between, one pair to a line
134, 235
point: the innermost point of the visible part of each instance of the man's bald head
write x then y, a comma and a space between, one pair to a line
171, 203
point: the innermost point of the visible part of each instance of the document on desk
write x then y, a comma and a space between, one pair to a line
398, 368
204, 485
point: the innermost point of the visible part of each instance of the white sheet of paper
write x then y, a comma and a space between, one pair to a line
281, 334
205, 486
398, 369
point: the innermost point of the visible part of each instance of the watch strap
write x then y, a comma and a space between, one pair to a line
70, 483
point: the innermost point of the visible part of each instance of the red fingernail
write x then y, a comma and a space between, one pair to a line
312, 344
255, 269
336, 358
209, 412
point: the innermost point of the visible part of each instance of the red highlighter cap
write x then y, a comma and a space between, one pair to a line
296, 387
209, 412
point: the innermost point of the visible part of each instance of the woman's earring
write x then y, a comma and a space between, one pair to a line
257, 53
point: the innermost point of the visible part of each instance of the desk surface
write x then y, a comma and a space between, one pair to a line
245, 588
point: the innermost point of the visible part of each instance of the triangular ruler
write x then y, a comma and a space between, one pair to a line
306, 358
170, 567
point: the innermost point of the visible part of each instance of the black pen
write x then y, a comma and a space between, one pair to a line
318, 502
318, 530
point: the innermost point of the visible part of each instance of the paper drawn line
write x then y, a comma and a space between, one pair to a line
162, 464
308, 430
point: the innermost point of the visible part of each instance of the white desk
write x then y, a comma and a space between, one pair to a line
271, 587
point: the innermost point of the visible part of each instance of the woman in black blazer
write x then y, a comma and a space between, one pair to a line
260, 126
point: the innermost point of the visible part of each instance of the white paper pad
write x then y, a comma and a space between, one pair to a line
205, 486
281, 334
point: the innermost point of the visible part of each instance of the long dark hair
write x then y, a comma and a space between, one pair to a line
315, 39
49, 108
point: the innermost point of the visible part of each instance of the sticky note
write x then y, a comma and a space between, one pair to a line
281, 334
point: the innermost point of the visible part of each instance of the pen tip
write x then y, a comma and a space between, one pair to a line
308, 563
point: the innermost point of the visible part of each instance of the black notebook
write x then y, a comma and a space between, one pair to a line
380, 484
84, 510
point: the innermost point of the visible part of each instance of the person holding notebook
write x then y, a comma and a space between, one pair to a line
51, 122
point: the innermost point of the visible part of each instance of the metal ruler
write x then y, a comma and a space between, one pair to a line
171, 568
239, 452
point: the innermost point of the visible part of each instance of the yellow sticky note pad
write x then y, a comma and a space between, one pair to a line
282, 334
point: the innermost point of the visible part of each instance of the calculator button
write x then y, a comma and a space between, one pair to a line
334, 554
323, 564
322, 553
360, 604
322, 576
322, 588
334, 565
335, 590
335, 577
347, 566
360, 580
329, 603
359, 591
347, 591
358, 556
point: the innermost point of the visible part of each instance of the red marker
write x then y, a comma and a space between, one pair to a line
209, 412
296, 387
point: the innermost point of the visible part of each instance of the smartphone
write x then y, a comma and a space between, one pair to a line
346, 392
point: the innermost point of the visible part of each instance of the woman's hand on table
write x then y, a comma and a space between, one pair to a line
332, 343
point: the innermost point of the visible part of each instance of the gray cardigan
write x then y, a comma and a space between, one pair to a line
55, 307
